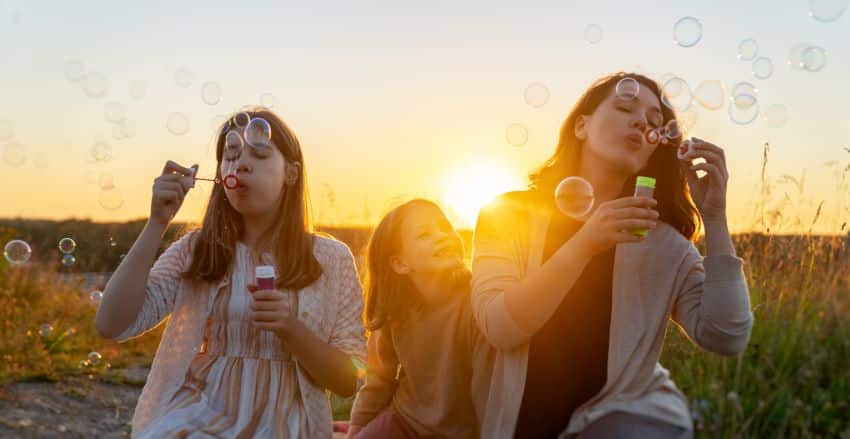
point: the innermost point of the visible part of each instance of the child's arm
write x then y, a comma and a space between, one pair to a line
381, 367
127, 294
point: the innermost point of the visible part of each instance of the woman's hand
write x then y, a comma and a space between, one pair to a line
609, 223
708, 192
169, 190
272, 310
353, 430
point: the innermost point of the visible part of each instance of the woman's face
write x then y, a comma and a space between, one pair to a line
429, 243
261, 174
614, 133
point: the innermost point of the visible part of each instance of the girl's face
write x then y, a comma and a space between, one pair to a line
614, 133
430, 245
261, 172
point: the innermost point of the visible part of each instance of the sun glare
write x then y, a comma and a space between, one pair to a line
471, 186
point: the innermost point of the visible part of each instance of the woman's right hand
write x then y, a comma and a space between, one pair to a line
169, 189
609, 223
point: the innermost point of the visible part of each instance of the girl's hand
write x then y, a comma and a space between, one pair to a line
609, 223
353, 430
169, 190
708, 192
272, 310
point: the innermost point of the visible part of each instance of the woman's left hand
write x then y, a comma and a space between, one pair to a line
708, 192
272, 310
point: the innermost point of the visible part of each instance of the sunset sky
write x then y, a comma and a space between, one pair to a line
392, 101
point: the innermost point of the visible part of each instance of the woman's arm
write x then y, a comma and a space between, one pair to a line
377, 392
137, 297
713, 305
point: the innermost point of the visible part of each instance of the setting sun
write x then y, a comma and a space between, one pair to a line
471, 186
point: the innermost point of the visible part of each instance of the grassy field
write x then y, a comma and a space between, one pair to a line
792, 381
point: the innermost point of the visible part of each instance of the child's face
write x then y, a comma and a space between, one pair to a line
430, 244
261, 176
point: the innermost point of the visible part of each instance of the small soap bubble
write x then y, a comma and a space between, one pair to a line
593, 33
69, 260
268, 100
574, 197
95, 85
106, 180
231, 181
67, 245
14, 154
211, 93
94, 358
233, 145
744, 109
516, 134
177, 124
536, 95
101, 151
17, 251
114, 112
748, 49
183, 78
827, 11
111, 198
45, 330
710, 94
95, 296
676, 94
653, 136
258, 133
687, 31
762, 67
242, 120
744, 88
813, 59
671, 130
627, 89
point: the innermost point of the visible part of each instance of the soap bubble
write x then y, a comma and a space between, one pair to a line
762, 67
96, 296
827, 11
813, 59
232, 145
627, 89
258, 133
242, 119
112, 242
710, 94
45, 329
574, 197
101, 151
17, 252
75, 71
536, 95
138, 89
106, 181
211, 93
268, 100
67, 245
114, 111
95, 85
593, 33
776, 115
177, 124
795, 55
687, 119
516, 134
14, 154
7, 130
94, 358
69, 260
744, 109
748, 49
183, 78
111, 198
676, 94
687, 31
653, 136
231, 181
671, 130
744, 88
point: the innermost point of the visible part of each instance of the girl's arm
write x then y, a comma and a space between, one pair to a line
713, 305
376, 394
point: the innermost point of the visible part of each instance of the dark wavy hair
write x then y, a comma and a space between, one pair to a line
292, 233
675, 205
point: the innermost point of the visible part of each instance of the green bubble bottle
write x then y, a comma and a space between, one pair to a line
644, 187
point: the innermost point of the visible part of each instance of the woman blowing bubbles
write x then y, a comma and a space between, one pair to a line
578, 308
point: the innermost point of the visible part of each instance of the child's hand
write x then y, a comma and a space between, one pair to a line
169, 189
272, 310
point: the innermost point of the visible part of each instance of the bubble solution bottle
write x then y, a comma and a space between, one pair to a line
644, 187
264, 275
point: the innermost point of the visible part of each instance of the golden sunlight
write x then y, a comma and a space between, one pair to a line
469, 187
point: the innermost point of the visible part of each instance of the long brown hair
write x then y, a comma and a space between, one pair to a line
389, 296
675, 205
292, 232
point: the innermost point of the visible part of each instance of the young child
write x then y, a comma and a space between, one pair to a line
235, 360
423, 340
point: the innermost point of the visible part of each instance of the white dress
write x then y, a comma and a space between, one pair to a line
243, 382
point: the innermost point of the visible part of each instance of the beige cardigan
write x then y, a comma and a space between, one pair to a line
653, 280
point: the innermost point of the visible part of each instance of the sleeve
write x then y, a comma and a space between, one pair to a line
381, 367
496, 266
161, 288
713, 304
347, 333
